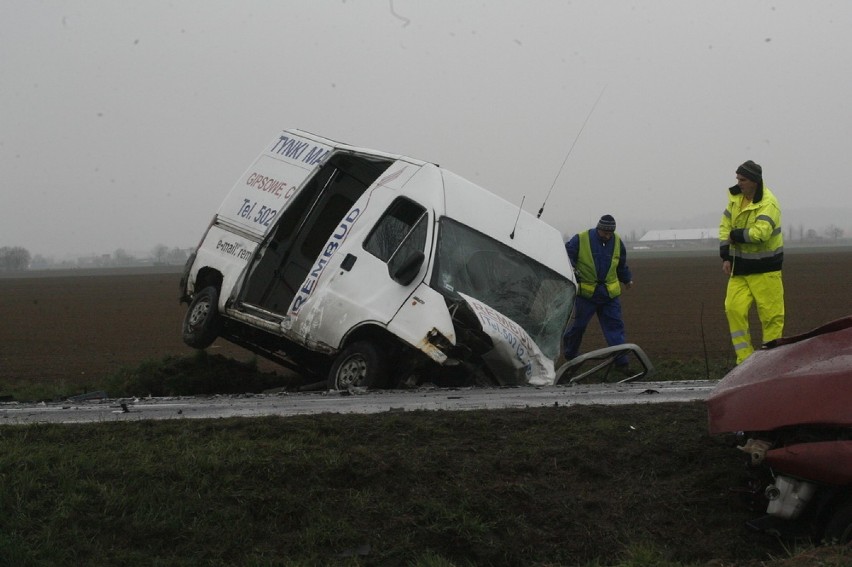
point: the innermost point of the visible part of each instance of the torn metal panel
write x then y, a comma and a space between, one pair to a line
515, 358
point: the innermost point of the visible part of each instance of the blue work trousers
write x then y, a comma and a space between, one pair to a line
609, 316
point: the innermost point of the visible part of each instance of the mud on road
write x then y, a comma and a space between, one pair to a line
74, 326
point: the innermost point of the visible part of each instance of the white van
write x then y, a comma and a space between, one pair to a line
356, 267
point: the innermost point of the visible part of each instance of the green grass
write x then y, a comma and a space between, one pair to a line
624, 486
584, 485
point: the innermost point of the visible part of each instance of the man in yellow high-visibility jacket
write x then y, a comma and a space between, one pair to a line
751, 245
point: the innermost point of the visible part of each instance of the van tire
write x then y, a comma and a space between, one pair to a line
359, 365
202, 323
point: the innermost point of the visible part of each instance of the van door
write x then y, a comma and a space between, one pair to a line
289, 251
369, 280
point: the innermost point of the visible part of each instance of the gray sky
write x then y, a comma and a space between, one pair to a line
124, 124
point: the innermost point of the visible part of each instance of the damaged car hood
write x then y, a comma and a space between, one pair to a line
804, 379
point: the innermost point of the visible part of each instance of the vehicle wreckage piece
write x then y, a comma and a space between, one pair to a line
599, 366
790, 404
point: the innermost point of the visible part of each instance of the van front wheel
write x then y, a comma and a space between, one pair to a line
202, 322
360, 365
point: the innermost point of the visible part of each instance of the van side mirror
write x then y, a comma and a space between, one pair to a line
404, 272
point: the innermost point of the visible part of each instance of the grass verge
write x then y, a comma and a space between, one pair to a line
581, 485
624, 486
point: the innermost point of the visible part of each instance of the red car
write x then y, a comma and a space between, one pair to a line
790, 406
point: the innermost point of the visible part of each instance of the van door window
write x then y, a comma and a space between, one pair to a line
400, 231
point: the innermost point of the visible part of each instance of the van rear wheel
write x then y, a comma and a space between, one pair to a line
359, 365
202, 322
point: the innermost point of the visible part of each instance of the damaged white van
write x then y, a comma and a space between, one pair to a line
356, 267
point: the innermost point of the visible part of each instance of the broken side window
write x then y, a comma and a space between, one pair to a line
393, 229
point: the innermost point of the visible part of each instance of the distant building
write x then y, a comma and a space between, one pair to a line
679, 237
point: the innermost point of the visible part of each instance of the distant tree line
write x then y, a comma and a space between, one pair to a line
14, 259
160, 255
17, 259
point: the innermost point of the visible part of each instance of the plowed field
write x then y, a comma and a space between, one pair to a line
74, 326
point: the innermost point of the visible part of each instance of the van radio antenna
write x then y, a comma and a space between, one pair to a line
517, 218
571, 149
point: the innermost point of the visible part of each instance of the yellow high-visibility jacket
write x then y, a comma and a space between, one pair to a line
756, 231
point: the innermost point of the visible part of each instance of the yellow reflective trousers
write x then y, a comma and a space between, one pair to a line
767, 292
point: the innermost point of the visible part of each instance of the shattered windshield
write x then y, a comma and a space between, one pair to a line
532, 295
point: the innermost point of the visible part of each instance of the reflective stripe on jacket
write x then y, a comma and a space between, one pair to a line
756, 230
587, 273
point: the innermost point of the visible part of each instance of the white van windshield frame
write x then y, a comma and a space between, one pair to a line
527, 292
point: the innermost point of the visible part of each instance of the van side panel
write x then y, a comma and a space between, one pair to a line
271, 182
252, 206
225, 251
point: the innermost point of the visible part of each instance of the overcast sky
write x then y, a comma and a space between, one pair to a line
124, 124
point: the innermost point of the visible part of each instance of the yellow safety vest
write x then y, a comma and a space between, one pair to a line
586, 272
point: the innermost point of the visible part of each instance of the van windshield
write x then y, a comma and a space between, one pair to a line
532, 295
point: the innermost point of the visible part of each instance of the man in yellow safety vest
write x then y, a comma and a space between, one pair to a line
751, 245
600, 262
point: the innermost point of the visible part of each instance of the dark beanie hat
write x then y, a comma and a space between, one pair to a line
607, 223
751, 170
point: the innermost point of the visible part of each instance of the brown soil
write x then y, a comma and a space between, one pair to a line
75, 326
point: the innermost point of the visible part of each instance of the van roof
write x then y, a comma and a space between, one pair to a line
504, 221
357, 149
482, 210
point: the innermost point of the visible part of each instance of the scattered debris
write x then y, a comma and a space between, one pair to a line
87, 396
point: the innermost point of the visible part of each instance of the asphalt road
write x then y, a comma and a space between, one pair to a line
101, 410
